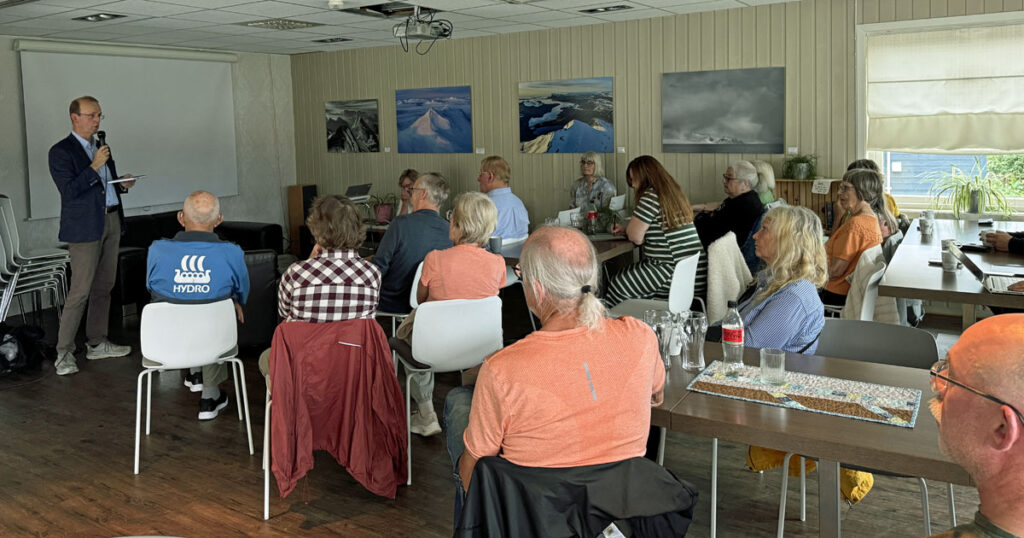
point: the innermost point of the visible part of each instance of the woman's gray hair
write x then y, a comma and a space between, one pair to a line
476, 216
563, 262
765, 176
598, 164
436, 187
745, 172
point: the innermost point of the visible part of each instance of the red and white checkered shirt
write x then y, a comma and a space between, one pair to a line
335, 286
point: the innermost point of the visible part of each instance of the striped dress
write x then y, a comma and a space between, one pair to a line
651, 277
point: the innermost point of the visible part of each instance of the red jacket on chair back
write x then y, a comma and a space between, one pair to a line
334, 388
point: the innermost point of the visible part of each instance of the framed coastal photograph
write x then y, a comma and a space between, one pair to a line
566, 116
434, 120
729, 111
352, 126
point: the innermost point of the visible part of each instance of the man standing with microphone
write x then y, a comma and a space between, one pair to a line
91, 220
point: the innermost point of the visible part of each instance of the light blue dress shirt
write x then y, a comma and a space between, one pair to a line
104, 172
513, 219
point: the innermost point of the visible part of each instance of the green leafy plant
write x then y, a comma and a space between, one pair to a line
1011, 167
384, 199
954, 189
810, 159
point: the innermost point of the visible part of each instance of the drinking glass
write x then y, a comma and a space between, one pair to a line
664, 329
773, 366
651, 318
695, 327
576, 220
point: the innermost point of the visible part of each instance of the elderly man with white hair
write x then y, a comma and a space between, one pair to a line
576, 392
198, 267
737, 213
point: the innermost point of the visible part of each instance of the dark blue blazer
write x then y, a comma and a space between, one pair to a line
83, 200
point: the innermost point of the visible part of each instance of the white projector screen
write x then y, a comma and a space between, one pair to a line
172, 120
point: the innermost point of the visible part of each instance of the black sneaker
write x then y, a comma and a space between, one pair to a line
194, 381
209, 408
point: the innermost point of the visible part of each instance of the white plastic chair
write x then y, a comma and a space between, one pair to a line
874, 342
415, 286
180, 336
448, 336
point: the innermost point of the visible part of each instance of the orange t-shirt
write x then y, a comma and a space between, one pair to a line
462, 272
568, 398
856, 235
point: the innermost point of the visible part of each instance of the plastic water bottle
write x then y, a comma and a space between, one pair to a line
732, 339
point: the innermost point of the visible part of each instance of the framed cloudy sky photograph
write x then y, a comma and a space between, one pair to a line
566, 116
730, 111
434, 120
352, 126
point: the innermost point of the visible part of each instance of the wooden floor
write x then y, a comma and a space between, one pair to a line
66, 470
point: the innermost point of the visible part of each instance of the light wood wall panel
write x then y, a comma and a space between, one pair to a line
812, 39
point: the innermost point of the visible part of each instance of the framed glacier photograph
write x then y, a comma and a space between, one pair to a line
729, 111
434, 120
352, 126
566, 116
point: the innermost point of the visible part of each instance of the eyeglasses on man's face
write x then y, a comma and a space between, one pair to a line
940, 382
845, 187
93, 116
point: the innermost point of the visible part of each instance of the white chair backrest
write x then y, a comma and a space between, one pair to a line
187, 335
456, 334
7, 207
868, 273
684, 278
6, 238
617, 203
873, 341
867, 308
415, 286
565, 217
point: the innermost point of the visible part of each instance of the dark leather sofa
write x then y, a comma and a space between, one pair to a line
262, 242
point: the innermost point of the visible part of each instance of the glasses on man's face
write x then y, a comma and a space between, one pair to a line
844, 187
940, 382
93, 116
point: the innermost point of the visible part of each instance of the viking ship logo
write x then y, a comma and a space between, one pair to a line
192, 271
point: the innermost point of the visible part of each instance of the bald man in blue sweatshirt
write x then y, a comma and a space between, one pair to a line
197, 267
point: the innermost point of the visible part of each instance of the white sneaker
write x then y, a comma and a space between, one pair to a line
424, 424
106, 350
66, 364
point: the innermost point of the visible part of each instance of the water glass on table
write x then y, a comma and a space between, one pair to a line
773, 366
949, 262
695, 328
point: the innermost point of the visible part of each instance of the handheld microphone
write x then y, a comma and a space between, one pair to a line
101, 139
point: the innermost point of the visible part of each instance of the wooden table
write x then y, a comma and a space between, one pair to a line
606, 250
910, 276
831, 439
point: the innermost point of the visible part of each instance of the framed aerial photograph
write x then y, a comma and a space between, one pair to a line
352, 126
566, 116
434, 120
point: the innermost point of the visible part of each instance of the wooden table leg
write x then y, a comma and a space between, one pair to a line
828, 499
969, 317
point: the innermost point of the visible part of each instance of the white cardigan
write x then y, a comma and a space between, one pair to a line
728, 275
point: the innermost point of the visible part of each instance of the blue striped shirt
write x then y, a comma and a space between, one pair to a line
104, 172
788, 319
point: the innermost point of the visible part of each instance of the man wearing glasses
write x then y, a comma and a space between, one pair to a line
979, 391
91, 222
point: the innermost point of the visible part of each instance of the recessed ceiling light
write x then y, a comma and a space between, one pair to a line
279, 24
389, 10
98, 17
332, 40
605, 9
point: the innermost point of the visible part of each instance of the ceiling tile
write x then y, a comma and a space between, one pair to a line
74, 3
762, 2
145, 7
512, 28
565, 5
454, 5
670, 3
14, 30
166, 23
89, 35
476, 23
214, 4
148, 39
324, 30
542, 16
375, 24
32, 10
215, 16
270, 8
330, 17
703, 6
232, 29
240, 39
459, 34
631, 14
501, 10
575, 21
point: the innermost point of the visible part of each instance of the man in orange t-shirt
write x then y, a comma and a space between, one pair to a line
577, 392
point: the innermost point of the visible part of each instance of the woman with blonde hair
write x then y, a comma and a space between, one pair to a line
662, 224
784, 310
765, 181
465, 271
592, 190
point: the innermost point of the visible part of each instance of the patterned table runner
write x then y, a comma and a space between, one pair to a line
808, 392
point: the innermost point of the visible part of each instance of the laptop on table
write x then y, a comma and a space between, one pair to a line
992, 282
359, 194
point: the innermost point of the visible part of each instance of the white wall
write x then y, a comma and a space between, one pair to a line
264, 139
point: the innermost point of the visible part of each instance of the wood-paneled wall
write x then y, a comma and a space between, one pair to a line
813, 39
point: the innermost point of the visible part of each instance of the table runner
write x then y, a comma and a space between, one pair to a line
885, 404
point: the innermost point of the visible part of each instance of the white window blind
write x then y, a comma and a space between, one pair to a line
947, 91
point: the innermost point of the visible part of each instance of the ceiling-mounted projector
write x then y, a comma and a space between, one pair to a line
413, 29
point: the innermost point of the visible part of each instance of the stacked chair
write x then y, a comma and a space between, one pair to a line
28, 272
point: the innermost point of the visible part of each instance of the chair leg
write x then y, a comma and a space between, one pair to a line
138, 417
149, 400
803, 489
408, 430
714, 487
952, 505
782, 495
924, 507
234, 376
266, 460
661, 446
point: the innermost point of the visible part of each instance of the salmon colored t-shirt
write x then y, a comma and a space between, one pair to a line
463, 272
856, 235
568, 398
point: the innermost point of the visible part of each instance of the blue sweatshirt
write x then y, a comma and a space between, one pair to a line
196, 267
408, 240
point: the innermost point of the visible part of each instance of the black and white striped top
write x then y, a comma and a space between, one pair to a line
669, 246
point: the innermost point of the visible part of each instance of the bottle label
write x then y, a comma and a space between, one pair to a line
732, 336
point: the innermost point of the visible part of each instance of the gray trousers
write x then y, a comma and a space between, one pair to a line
93, 269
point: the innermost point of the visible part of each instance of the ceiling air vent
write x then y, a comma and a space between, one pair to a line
279, 24
98, 17
389, 10
332, 40
607, 9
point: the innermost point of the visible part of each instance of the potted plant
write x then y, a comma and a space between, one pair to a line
801, 166
973, 192
383, 206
